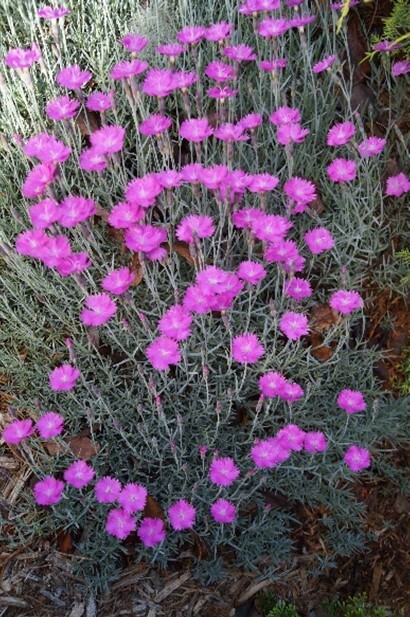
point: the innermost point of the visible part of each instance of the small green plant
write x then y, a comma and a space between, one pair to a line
283, 609
397, 26
404, 256
357, 606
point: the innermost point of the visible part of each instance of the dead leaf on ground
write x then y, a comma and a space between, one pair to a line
322, 317
153, 509
182, 248
80, 445
136, 269
64, 542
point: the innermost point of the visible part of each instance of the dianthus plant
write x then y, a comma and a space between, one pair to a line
179, 206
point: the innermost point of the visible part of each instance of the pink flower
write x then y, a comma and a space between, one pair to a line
250, 122
253, 7
76, 262
63, 378
298, 288
175, 323
271, 384
44, 213
48, 491
281, 251
262, 183
386, 46
191, 35
223, 471
397, 185
38, 180
219, 71
371, 146
213, 177
51, 12
271, 66
245, 218
99, 309
17, 430
133, 498
126, 70
195, 226
145, 238
107, 140
302, 21
62, 108
47, 149
107, 489
73, 77
252, 272
340, 134
269, 453
125, 215
118, 281
271, 28
134, 42
57, 248
246, 349
319, 240
169, 179
50, 425
143, 191
352, 401
291, 133
155, 125
218, 32
151, 531
22, 58
294, 325
324, 64
230, 132
223, 511
357, 458
271, 227
291, 437
74, 210
158, 82
285, 115
196, 129
197, 299
299, 190
163, 352
120, 523
341, 170
221, 93
171, 49
79, 474
346, 301
100, 101
291, 392
239, 53
315, 441
400, 68
182, 515
91, 160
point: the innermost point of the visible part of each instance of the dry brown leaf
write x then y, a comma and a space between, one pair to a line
182, 248
64, 542
136, 269
80, 445
153, 509
322, 317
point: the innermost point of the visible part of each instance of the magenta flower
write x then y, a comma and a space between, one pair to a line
48, 491
107, 140
196, 129
76, 262
22, 58
195, 226
133, 498
158, 82
155, 125
213, 177
172, 50
247, 349
145, 238
400, 68
271, 384
182, 515
218, 32
17, 430
245, 218
197, 299
118, 281
346, 301
127, 69
134, 42
44, 213
120, 523
73, 77
397, 185
79, 474
252, 272
74, 210
281, 251
386, 46
324, 64
175, 323
299, 190
291, 133
63, 378
100, 308
107, 489
100, 101
163, 352
298, 288
190, 35
352, 401
341, 170
319, 240
302, 21
50, 425
371, 146
250, 122
47, 149
294, 325
357, 458
315, 441
125, 215
151, 531
271, 66
169, 179
191, 172
223, 471
253, 7
271, 227
340, 134
285, 115
91, 160
62, 108
239, 53
262, 183
291, 391
57, 248
183, 80
38, 180
221, 93
51, 12
291, 437
230, 132
143, 191
271, 28
223, 511
269, 453
219, 71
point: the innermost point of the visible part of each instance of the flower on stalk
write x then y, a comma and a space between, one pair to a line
143, 191
271, 28
262, 183
100, 101
194, 225
191, 172
223, 511
183, 80
230, 132
172, 50
371, 146
352, 401
271, 227
319, 240
118, 281
120, 523
247, 349
50, 425
92, 160
250, 122
239, 53
221, 93
280, 250
17, 430
48, 491
76, 262
400, 68
397, 185
252, 272
387, 46
342, 170
269, 453
22, 58
175, 323
271, 66
291, 437
107, 489
253, 7
182, 515
108, 140
271, 384
63, 378
340, 133
47, 149
315, 441
169, 179
291, 391
155, 125
158, 82
291, 133
357, 458
163, 352
134, 42
246, 217
133, 498
127, 69
198, 299
285, 115
57, 248
301, 21
73, 77
62, 108
346, 301
324, 64
294, 325
190, 35
213, 177
100, 308
79, 474
74, 210
218, 32
151, 531
219, 71
44, 213
145, 238
223, 471
298, 288
51, 12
